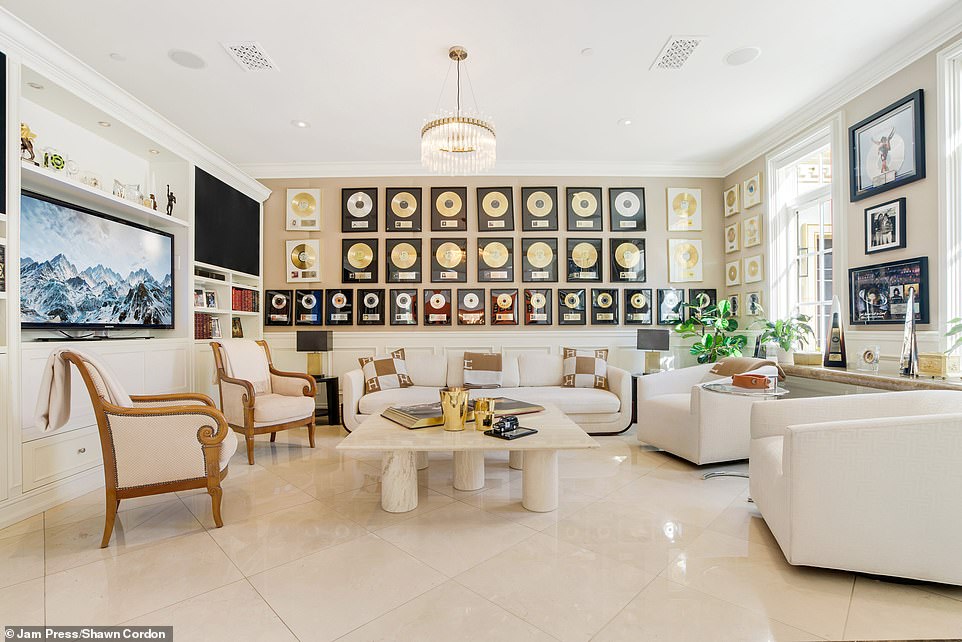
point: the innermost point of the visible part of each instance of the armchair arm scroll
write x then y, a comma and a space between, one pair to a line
293, 384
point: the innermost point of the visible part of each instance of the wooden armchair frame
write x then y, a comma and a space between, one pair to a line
249, 400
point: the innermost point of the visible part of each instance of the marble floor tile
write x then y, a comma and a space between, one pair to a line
439, 475
21, 558
323, 478
505, 501
29, 525
92, 504
363, 506
889, 610
742, 519
22, 604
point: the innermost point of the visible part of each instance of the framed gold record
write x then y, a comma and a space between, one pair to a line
685, 260
437, 307
403, 260
684, 209
370, 307
626, 209
339, 306
731, 238
537, 306
699, 299
495, 259
449, 208
303, 210
359, 210
539, 260
495, 209
753, 269
627, 262
731, 200
638, 306
733, 273
308, 307
303, 261
279, 307
752, 191
539, 209
671, 309
402, 212
604, 306
572, 306
752, 231
403, 307
584, 260
359, 260
471, 307
449, 258
504, 307
584, 209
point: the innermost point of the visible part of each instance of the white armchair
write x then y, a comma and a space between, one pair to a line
869, 483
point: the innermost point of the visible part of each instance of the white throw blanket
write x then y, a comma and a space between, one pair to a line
245, 359
53, 399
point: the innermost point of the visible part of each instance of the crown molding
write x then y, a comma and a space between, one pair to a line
503, 168
25, 45
924, 40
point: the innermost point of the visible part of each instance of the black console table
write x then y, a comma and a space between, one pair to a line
333, 411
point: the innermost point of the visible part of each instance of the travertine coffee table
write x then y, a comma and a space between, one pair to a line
399, 476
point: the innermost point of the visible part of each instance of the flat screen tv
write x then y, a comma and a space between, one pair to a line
85, 269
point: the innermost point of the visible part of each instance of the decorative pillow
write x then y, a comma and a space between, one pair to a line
585, 368
385, 373
482, 370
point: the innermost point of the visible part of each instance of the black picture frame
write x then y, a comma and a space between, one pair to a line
885, 227
488, 207
398, 273
537, 272
337, 310
576, 270
468, 315
504, 314
535, 200
401, 314
304, 312
488, 273
434, 316
626, 209
278, 307
584, 206
353, 203
694, 295
358, 273
602, 314
638, 311
398, 202
670, 310
453, 199
442, 274
370, 307
875, 292
625, 274
860, 136
540, 315
576, 315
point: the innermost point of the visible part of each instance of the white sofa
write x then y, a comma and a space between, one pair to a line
677, 415
532, 377
869, 483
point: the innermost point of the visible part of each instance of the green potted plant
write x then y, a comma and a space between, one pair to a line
787, 334
713, 325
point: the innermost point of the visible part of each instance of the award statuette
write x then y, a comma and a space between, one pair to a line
571, 307
404, 307
909, 361
835, 344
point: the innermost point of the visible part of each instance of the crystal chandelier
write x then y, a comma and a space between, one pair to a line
458, 142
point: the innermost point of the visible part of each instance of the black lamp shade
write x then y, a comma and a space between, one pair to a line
315, 340
652, 339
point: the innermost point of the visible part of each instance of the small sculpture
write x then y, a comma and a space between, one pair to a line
153, 202
171, 199
26, 144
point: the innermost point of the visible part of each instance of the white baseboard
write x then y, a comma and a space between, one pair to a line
37, 501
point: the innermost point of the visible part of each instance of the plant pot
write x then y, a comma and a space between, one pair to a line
786, 357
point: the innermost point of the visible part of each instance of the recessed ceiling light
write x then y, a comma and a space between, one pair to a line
303, 124
587, 51
186, 59
116, 56
103, 123
154, 151
742, 56
35, 85
625, 122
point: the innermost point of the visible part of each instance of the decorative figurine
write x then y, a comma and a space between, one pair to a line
153, 202
909, 360
26, 144
171, 199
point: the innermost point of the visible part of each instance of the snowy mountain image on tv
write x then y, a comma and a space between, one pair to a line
81, 269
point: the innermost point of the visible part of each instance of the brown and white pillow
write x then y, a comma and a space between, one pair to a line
482, 370
385, 373
585, 369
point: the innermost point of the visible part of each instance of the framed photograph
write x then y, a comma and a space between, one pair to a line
449, 209
638, 306
403, 258
752, 191
685, 260
199, 300
754, 271
753, 304
303, 210
495, 209
210, 299
495, 259
403, 212
627, 260
236, 328
539, 209
404, 307
626, 209
670, 310
359, 261
885, 227
359, 210
731, 200
879, 293
449, 259
731, 238
733, 273
215, 329
584, 209
887, 149
684, 209
572, 307
752, 231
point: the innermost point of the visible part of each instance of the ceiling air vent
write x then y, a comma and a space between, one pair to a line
250, 56
676, 52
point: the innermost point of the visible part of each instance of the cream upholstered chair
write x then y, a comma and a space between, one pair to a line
867, 482
256, 398
155, 444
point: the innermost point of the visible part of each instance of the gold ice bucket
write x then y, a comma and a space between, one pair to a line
483, 413
454, 408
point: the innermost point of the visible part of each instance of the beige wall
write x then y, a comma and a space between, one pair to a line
656, 237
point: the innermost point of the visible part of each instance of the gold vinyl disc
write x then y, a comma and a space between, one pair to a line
360, 255
572, 300
539, 203
404, 204
753, 268
359, 204
731, 235
627, 255
339, 300
730, 198
436, 301
584, 255
584, 204
504, 301
732, 273
448, 255
638, 300
540, 255
684, 204
686, 255
403, 256
303, 257
303, 204
701, 301
605, 300
538, 300
494, 204
448, 204
494, 254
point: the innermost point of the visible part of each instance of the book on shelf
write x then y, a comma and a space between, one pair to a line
244, 300
426, 415
203, 326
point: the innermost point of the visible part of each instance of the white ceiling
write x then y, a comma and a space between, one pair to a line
367, 73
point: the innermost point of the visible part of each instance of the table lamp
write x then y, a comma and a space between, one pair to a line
653, 342
314, 342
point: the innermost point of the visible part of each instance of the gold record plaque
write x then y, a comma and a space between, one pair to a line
495, 209
437, 307
504, 307
638, 307
308, 307
626, 209
403, 260
627, 260
403, 211
684, 209
539, 260
699, 299
449, 260
537, 307
584, 209
471, 307
303, 261
571, 307
495, 260
359, 210
670, 308
449, 207
339, 307
539, 209
584, 260
404, 307
359, 262
370, 307
278, 308
685, 260
303, 209
604, 306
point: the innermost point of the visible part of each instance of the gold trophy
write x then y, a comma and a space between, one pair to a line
454, 408
483, 413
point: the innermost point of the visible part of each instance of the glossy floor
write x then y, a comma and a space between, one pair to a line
640, 549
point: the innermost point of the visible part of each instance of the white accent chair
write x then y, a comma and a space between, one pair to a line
677, 415
869, 483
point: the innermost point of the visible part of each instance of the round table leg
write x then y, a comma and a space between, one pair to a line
399, 481
539, 491
468, 469
421, 459
516, 459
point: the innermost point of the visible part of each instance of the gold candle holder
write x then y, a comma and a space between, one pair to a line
454, 408
483, 413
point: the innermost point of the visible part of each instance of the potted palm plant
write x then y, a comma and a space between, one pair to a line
788, 334
714, 326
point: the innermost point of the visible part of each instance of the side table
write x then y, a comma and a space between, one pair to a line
333, 411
